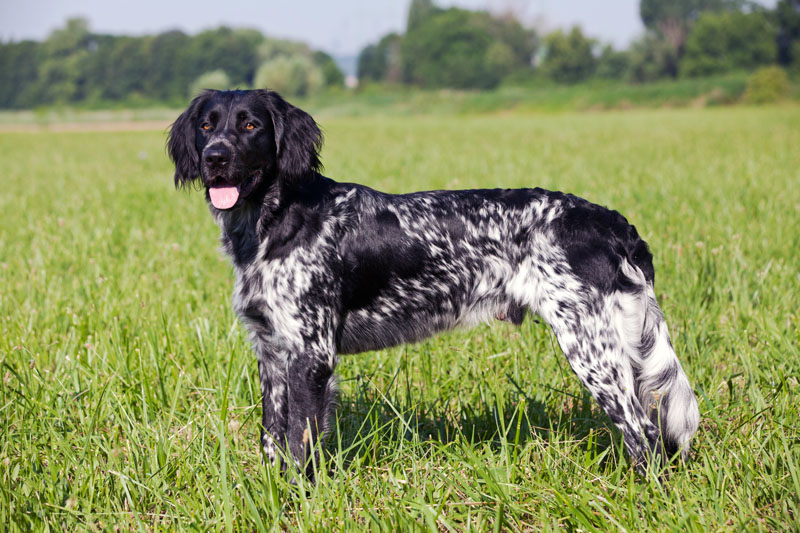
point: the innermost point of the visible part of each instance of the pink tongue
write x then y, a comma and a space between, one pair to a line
223, 197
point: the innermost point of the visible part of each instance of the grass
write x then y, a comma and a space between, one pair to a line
129, 396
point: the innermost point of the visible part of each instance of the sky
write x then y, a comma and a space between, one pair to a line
339, 27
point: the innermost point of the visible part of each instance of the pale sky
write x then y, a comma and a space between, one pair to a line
341, 27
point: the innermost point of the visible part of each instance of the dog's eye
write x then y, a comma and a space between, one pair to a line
206, 126
250, 126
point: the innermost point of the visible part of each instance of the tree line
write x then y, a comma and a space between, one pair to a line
75, 65
441, 48
683, 38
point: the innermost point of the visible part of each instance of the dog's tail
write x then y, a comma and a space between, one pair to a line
661, 384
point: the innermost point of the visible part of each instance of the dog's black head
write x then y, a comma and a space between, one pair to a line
238, 143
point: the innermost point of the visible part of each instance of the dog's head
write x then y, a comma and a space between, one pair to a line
238, 143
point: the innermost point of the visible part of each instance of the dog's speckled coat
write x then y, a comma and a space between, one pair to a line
325, 268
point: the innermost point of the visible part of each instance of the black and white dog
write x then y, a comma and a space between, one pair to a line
326, 268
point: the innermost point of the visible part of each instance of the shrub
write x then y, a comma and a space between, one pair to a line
290, 75
767, 84
215, 79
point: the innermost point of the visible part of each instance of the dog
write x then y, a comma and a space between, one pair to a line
325, 268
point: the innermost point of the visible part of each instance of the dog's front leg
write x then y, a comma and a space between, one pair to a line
274, 402
311, 398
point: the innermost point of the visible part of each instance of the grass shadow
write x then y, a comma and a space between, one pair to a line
369, 425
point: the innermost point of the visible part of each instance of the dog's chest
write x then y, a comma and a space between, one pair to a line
269, 297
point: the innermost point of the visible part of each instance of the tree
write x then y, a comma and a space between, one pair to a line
19, 68
449, 50
652, 58
787, 13
720, 42
418, 12
672, 19
331, 74
382, 61
568, 57
59, 77
168, 71
612, 64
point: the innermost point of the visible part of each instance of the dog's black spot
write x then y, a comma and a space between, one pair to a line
596, 240
381, 252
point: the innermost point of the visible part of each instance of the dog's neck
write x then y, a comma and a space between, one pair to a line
244, 227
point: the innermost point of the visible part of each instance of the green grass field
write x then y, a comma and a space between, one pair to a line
129, 396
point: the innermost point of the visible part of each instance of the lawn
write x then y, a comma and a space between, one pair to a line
129, 396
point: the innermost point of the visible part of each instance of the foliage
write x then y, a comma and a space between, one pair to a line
787, 15
130, 396
19, 69
652, 58
75, 65
382, 61
216, 79
293, 69
673, 19
767, 84
569, 57
331, 75
721, 42
290, 75
612, 64
418, 12
449, 50
452, 48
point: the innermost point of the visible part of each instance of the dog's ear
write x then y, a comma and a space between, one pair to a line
298, 140
181, 142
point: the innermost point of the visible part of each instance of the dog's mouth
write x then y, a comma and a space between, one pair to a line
224, 195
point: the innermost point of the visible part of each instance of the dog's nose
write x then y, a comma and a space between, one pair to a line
217, 156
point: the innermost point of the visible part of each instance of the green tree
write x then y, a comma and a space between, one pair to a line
418, 12
612, 64
235, 51
60, 78
651, 58
449, 50
673, 19
720, 42
787, 14
382, 61
168, 71
331, 74
19, 69
568, 57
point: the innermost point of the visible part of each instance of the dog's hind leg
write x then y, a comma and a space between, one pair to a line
583, 322
661, 384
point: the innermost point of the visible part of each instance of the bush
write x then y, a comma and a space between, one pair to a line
290, 75
768, 84
215, 79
